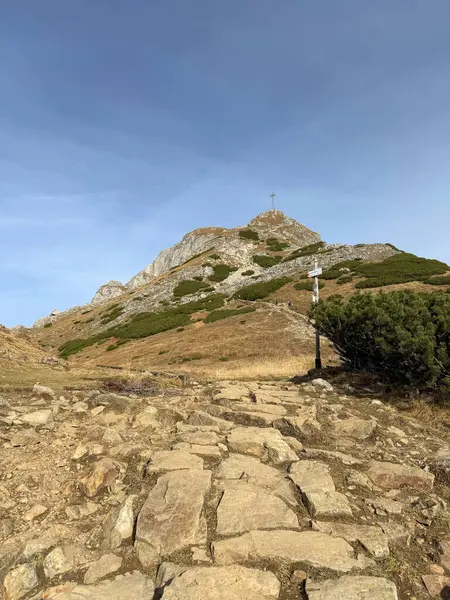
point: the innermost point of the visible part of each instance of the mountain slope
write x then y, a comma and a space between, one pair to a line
223, 296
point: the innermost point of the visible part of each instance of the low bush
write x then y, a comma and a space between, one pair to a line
188, 287
218, 315
266, 261
400, 268
248, 234
256, 291
85, 312
146, 324
344, 279
276, 245
309, 250
47, 325
221, 272
402, 336
308, 285
90, 320
112, 314
445, 280
249, 272
214, 257
198, 278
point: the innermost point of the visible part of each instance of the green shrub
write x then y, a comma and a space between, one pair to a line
400, 268
163, 352
249, 272
188, 287
77, 322
217, 315
403, 336
112, 314
146, 324
248, 234
90, 320
137, 299
308, 285
445, 280
47, 325
221, 272
85, 312
266, 261
331, 274
256, 291
214, 257
344, 279
198, 278
180, 329
224, 358
276, 245
309, 250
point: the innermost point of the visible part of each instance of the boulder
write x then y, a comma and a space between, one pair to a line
37, 418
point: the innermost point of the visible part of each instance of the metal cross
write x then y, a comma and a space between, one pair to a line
272, 196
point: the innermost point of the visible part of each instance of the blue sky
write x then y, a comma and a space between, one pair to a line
123, 125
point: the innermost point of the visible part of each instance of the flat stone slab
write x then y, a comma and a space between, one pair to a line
202, 418
249, 507
134, 586
238, 466
205, 438
309, 547
174, 460
311, 475
270, 409
352, 588
345, 459
206, 451
264, 443
171, 517
223, 583
392, 476
370, 537
327, 504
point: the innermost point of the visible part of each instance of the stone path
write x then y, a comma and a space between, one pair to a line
249, 491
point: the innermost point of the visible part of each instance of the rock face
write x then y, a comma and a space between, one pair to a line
108, 291
171, 517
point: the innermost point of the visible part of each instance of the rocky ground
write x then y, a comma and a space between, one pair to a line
254, 491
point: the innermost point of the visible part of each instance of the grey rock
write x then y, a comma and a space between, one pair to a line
133, 586
20, 582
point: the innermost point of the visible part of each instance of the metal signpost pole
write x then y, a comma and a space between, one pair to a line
315, 273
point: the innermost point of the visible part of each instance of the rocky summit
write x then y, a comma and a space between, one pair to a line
220, 491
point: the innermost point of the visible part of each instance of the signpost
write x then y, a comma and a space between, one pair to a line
315, 273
